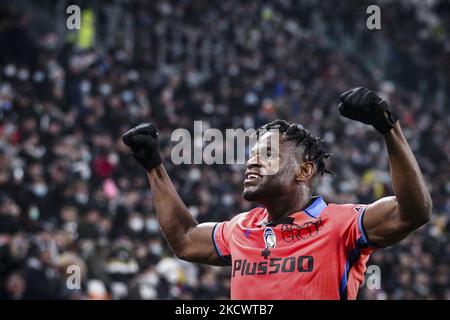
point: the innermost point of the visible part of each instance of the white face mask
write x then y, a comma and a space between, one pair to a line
136, 224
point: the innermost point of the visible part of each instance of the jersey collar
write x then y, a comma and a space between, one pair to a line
314, 209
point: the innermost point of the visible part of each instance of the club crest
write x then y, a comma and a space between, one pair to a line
269, 238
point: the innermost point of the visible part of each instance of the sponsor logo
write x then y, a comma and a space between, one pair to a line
301, 264
294, 232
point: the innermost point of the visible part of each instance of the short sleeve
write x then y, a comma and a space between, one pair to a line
351, 227
220, 236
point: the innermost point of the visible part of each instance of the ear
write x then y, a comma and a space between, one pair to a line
305, 171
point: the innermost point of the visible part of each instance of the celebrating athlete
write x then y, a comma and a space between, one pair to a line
295, 246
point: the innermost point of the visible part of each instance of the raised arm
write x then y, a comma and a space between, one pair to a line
390, 219
189, 240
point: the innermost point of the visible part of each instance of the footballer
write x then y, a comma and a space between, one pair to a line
295, 245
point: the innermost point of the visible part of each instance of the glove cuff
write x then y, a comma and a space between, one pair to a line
387, 121
149, 163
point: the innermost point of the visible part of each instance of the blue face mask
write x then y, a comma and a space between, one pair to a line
82, 198
34, 213
152, 225
39, 190
105, 89
156, 249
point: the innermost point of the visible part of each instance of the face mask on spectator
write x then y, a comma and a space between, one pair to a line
85, 87
10, 70
81, 197
105, 89
156, 249
227, 200
136, 224
39, 190
127, 96
23, 74
38, 76
152, 225
34, 213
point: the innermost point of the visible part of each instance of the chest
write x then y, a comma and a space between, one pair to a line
290, 239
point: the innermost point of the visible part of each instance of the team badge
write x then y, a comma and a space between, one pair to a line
269, 238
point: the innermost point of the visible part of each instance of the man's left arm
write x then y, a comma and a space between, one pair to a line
390, 219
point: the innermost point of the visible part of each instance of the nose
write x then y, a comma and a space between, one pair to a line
254, 161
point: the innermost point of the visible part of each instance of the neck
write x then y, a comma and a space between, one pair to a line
287, 204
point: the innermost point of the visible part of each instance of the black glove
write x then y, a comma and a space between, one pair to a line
364, 105
143, 141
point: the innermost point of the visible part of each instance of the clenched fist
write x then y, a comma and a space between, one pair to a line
362, 104
143, 141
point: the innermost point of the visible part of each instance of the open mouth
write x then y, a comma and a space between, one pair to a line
252, 177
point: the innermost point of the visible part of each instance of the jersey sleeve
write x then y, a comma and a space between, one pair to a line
351, 227
221, 235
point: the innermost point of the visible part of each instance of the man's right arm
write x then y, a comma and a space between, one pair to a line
189, 240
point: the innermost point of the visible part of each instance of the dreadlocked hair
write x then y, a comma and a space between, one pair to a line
312, 145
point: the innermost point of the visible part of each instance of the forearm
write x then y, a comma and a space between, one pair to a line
409, 186
173, 216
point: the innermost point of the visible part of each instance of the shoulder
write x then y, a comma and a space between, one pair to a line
346, 208
344, 212
248, 219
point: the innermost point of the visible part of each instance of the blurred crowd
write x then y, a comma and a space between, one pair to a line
71, 194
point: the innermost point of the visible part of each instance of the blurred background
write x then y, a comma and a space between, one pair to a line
71, 194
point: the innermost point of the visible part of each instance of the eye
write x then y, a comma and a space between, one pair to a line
266, 153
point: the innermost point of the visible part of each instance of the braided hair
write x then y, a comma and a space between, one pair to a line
312, 145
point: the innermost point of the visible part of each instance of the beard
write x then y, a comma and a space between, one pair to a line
250, 195
268, 187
